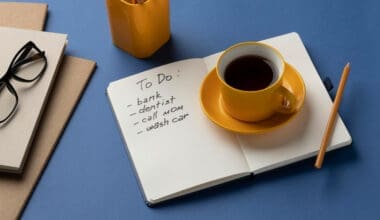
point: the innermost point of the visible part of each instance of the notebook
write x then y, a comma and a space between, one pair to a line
176, 150
71, 80
17, 133
23, 15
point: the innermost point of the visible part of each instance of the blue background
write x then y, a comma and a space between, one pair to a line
90, 177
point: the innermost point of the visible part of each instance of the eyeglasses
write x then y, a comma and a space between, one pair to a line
27, 66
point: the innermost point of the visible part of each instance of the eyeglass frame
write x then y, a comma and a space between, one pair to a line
21, 58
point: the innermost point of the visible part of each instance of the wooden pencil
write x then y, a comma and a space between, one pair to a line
333, 114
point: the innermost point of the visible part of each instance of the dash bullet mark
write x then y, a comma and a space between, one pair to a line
132, 114
135, 123
139, 132
130, 105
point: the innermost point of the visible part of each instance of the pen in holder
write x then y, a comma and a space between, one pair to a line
139, 27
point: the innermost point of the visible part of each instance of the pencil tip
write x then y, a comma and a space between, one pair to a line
348, 64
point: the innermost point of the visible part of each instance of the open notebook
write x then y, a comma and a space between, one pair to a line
176, 150
16, 134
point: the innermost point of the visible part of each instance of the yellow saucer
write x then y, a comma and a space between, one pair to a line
210, 99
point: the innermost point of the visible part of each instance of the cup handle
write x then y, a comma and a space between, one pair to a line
288, 102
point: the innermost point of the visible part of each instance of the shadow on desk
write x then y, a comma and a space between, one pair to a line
171, 51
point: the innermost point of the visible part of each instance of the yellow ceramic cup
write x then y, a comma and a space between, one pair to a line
255, 105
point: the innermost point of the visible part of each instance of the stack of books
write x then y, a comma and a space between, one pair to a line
28, 137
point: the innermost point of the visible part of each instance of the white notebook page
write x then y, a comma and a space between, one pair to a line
300, 138
184, 151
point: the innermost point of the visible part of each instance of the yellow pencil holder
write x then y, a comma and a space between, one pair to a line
140, 29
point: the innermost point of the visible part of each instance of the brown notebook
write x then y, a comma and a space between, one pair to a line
70, 82
23, 15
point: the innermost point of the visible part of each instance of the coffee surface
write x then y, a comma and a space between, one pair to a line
249, 73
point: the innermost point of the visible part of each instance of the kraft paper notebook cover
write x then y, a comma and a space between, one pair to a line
23, 15
71, 80
176, 150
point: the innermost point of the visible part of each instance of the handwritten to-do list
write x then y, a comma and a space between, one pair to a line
156, 111
159, 98
167, 136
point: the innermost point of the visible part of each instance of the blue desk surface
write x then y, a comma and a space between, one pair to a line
90, 177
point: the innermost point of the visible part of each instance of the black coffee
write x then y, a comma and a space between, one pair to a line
249, 72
